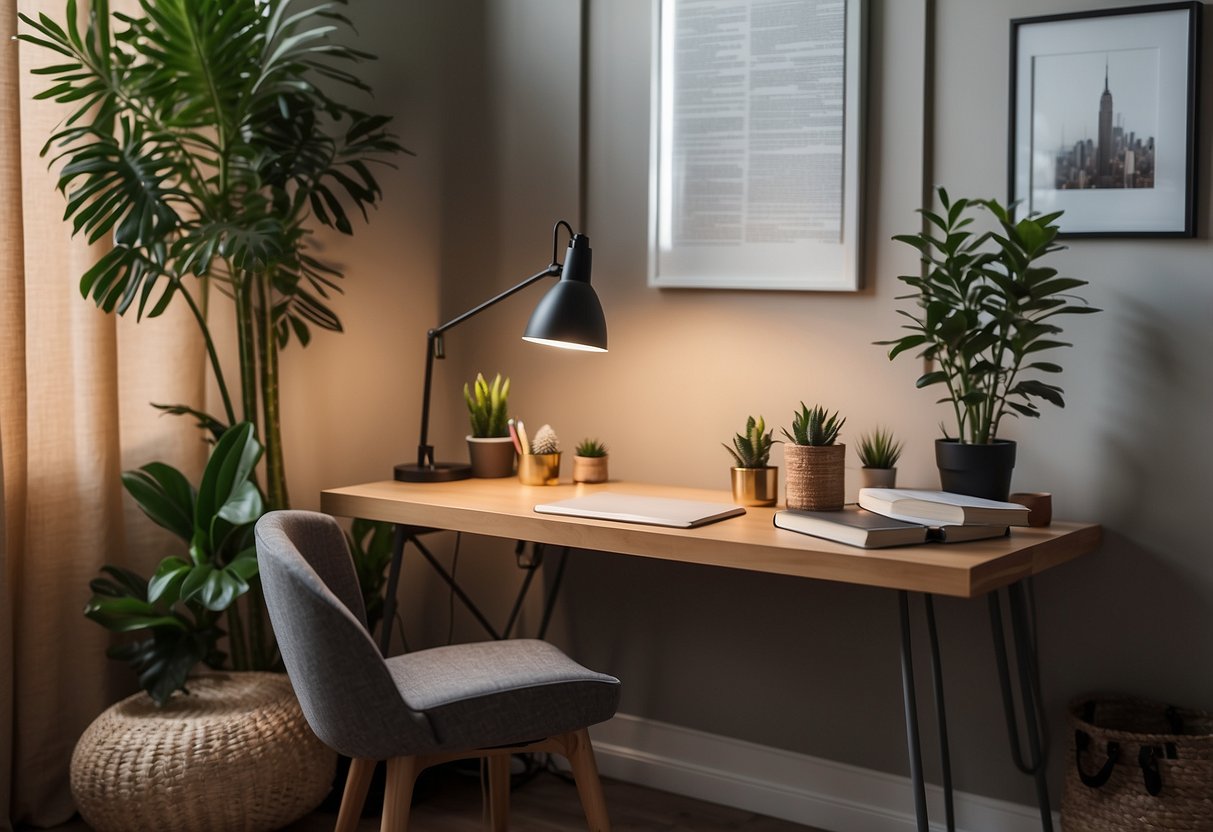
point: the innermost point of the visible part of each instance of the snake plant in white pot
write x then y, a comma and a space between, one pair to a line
985, 314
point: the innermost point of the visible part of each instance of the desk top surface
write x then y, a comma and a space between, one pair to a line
505, 508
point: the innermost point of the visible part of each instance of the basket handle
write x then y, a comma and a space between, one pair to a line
1081, 742
1147, 758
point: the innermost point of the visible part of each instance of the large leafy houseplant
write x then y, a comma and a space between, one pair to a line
205, 140
985, 313
177, 613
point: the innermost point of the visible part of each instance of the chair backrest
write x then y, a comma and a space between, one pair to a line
315, 606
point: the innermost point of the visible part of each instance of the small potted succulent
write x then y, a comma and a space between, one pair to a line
755, 483
816, 464
985, 316
878, 453
590, 462
540, 460
489, 445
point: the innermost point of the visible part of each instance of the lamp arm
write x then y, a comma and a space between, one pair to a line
551, 271
433, 349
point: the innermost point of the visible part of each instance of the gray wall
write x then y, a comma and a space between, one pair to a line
806, 666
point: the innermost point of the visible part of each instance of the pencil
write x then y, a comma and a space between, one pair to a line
514, 437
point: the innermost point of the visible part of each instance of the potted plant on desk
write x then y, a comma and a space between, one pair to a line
878, 453
489, 445
755, 483
590, 462
816, 464
985, 312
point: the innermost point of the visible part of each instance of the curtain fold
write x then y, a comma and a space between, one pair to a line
74, 390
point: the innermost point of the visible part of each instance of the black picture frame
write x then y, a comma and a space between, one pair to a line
1117, 174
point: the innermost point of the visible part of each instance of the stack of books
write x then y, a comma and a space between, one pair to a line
900, 517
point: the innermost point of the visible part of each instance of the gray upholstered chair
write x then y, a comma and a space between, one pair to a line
490, 699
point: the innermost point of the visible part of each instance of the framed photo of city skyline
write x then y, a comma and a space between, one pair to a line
1103, 119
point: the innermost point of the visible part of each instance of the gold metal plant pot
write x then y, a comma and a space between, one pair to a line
755, 486
539, 469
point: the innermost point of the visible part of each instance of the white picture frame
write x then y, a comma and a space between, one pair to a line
751, 184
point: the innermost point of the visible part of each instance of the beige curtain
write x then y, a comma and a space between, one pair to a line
74, 390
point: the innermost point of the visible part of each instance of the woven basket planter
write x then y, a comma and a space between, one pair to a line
235, 753
1137, 765
816, 476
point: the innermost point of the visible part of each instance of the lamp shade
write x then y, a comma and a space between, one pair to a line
570, 315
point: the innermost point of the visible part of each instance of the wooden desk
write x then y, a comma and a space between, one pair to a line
504, 508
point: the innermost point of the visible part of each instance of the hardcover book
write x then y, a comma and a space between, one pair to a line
852, 526
856, 526
941, 508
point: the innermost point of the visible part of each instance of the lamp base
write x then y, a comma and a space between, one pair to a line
438, 472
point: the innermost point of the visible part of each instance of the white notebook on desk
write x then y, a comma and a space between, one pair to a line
635, 508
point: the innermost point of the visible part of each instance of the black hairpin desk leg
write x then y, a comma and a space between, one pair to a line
1024, 637
941, 717
393, 580
909, 694
408, 534
911, 707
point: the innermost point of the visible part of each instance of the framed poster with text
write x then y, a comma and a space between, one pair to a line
754, 177
1103, 119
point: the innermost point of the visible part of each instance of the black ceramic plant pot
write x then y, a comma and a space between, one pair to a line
976, 470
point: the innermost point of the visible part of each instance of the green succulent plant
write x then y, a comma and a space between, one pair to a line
814, 426
878, 449
545, 441
487, 406
591, 447
753, 448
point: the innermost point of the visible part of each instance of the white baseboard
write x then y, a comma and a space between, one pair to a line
795, 787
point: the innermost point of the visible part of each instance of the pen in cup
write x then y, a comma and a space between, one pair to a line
514, 437
526, 444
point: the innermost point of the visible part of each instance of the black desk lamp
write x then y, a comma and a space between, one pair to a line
568, 316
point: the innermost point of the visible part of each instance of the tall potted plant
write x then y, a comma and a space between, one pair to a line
204, 140
985, 313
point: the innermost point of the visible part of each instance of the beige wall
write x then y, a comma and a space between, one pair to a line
486, 93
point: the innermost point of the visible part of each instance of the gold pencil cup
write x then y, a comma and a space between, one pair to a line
539, 469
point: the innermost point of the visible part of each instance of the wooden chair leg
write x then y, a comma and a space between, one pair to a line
585, 772
354, 796
398, 796
499, 792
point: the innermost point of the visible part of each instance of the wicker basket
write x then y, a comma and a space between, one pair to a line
816, 476
1137, 765
235, 753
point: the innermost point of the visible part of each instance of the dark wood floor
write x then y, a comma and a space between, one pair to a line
549, 804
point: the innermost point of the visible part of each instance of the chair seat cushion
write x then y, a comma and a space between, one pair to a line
502, 692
